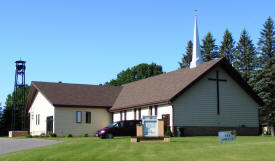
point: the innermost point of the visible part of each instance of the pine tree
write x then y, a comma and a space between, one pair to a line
267, 41
0, 109
5, 119
187, 57
264, 81
208, 48
227, 48
245, 56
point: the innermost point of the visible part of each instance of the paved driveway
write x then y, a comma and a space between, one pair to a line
8, 145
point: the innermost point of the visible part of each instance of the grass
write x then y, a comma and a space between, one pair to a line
254, 148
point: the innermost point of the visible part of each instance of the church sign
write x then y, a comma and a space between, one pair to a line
226, 136
150, 126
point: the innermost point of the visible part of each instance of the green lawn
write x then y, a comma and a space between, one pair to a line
256, 148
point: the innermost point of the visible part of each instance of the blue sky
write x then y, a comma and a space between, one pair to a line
91, 41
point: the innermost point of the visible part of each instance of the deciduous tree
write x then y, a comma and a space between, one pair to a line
135, 73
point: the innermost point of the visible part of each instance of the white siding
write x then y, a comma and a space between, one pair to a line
44, 108
137, 114
165, 109
130, 115
116, 116
153, 111
198, 105
144, 112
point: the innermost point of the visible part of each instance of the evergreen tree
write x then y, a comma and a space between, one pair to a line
0, 109
187, 57
227, 48
5, 119
245, 56
264, 81
208, 48
267, 41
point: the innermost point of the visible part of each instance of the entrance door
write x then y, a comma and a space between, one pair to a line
166, 119
49, 124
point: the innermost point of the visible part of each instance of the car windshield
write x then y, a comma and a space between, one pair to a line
112, 124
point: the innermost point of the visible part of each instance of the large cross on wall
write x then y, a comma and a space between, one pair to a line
217, 79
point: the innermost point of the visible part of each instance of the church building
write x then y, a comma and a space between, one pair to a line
202, 99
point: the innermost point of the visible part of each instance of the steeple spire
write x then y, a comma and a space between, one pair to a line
196, 55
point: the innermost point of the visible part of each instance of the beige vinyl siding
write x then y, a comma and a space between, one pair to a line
198, 105
65, 121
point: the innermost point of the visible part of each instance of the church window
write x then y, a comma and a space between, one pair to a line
78, 116
156, 110
120, 115
37, 119
125, 115
150, 110
88, 117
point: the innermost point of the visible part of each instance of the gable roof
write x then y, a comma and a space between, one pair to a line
71, 95
164, 88
156, 90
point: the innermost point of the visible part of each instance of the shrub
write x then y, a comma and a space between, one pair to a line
42, 135
51, 134
68, 135
35, 136
168, 132
28, 136
85, 135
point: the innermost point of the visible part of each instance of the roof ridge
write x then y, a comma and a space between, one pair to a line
75, 84
163, 74
195, 73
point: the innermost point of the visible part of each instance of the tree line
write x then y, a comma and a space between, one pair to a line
6, 114
255, 64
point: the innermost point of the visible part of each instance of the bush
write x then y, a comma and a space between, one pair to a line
51, 134
35, 136
42, 135
68, 135
28, 136
85, 135
168, 132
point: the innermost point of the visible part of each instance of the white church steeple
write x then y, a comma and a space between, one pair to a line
196, 55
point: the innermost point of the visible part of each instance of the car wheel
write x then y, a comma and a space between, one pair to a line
109, 136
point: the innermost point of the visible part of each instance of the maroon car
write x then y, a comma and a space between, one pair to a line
120, 128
